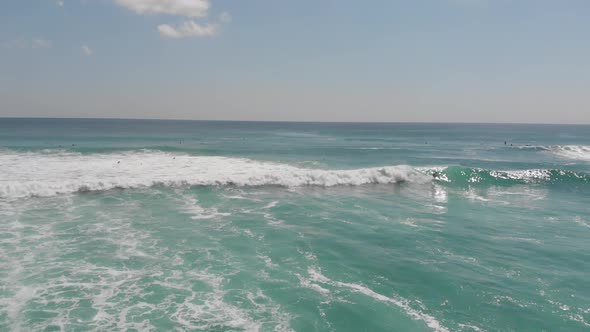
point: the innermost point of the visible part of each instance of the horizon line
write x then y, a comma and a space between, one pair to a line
303, 121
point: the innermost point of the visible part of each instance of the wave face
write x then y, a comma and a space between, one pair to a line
468, 176
50, 172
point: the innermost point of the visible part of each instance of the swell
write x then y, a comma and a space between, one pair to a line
49, 173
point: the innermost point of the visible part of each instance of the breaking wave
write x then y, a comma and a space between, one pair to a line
577, 152
48, 173
573, 152
43, 174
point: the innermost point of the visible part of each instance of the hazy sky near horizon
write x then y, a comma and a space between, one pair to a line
320, 60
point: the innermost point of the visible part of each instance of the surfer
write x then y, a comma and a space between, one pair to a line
435, 175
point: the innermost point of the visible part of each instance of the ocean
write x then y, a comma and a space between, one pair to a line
149, 225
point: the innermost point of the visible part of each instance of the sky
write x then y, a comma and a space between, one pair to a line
297, 60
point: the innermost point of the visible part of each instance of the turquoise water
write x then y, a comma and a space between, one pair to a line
133, 225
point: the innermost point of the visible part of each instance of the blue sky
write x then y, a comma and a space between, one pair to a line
413, 60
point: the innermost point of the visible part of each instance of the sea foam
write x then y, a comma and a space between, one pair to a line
24, 174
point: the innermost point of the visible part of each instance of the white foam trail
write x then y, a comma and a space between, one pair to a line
315, 276
578, 220
471, 327
198, 212
48, 174
270, 205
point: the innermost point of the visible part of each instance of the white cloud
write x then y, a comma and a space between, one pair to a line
225, 17
189, 8
186, 8
41, 43
87, 50
187, 29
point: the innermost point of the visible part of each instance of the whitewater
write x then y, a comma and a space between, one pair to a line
48, 173
253, 226
53, 172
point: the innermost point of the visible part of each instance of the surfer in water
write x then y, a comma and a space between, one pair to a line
435, 175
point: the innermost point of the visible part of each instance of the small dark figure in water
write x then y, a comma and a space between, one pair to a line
504, 142
118, 162
435, 175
